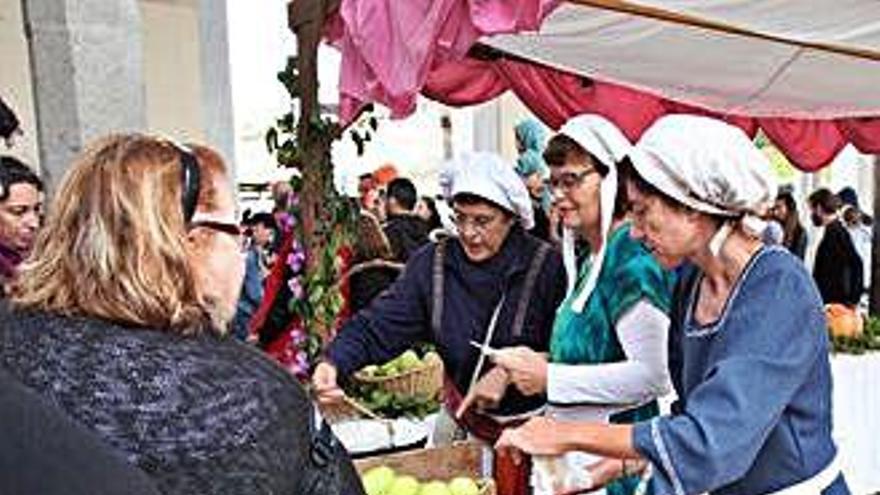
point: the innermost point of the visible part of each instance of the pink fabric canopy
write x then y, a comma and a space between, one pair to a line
389, 46
392, 50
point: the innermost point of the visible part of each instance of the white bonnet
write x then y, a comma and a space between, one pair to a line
705, 164
488, 176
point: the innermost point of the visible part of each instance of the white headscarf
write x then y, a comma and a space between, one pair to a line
606, 143
710, 166
488, 176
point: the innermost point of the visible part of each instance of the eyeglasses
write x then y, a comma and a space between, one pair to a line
568, 180
480, 223
232, 229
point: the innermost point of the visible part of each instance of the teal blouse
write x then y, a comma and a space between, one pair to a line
629, 274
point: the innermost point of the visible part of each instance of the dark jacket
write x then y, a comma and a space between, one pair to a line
541, 230
402, 316
838, 267
798, 244
198, 414
368, 280
46, 452
406, 233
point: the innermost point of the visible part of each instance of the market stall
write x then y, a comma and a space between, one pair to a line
804, 73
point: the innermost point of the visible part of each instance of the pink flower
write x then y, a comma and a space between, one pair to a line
295, 260
296, 288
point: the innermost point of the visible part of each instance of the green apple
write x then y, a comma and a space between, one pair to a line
404, 485
389, 368
434, 488
376, 481
408, 360
463, 486
431, 357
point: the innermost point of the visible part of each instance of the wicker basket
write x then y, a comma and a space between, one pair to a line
440, 463
426, 380
347, 409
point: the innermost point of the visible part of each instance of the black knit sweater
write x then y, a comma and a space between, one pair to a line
200, 415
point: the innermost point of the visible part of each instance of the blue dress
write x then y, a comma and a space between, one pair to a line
754, 414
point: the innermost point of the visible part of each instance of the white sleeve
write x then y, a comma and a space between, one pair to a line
644, 376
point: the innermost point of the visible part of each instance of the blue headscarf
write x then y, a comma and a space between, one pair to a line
531, 134
530, 162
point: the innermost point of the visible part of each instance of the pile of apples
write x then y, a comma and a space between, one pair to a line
407, 361
382, 480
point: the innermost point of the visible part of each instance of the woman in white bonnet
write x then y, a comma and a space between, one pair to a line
748, 344
607, 359
492, 284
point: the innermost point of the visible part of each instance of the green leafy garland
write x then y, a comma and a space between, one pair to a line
868, 341
322, 223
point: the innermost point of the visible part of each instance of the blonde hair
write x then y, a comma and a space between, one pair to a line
114, 242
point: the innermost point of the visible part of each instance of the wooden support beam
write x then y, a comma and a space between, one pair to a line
637, 9
874, 291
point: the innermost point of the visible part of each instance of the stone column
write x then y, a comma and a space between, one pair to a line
487, 123
87, 74
217, 113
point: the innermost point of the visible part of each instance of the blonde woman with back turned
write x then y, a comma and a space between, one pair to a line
120, 316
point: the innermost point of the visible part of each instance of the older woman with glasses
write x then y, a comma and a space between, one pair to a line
748, 343
607, 359
119, 317
493, 285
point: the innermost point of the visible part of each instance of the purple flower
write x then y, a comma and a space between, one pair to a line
298, 336
302, 359
295, 261
296, 287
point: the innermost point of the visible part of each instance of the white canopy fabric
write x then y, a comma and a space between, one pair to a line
809, 59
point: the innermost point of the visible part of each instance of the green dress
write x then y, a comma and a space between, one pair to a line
629, 274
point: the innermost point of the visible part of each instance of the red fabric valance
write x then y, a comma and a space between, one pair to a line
555, 96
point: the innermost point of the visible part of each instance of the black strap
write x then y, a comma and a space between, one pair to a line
190, 177
437, 289
322, 444
526, 295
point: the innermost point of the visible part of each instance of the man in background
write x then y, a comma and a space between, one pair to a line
838, 267
258, 262
405, 230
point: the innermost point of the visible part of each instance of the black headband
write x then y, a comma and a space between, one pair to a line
190, 177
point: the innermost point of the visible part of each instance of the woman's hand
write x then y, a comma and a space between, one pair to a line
487, 392
538, 436
527, 368
324, 383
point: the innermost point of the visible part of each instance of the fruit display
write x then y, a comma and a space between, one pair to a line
408, 385
382, 480
394, 405
406, 362
457, 469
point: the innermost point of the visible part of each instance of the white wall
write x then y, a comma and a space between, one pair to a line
259, 44
171, 69
15, 80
